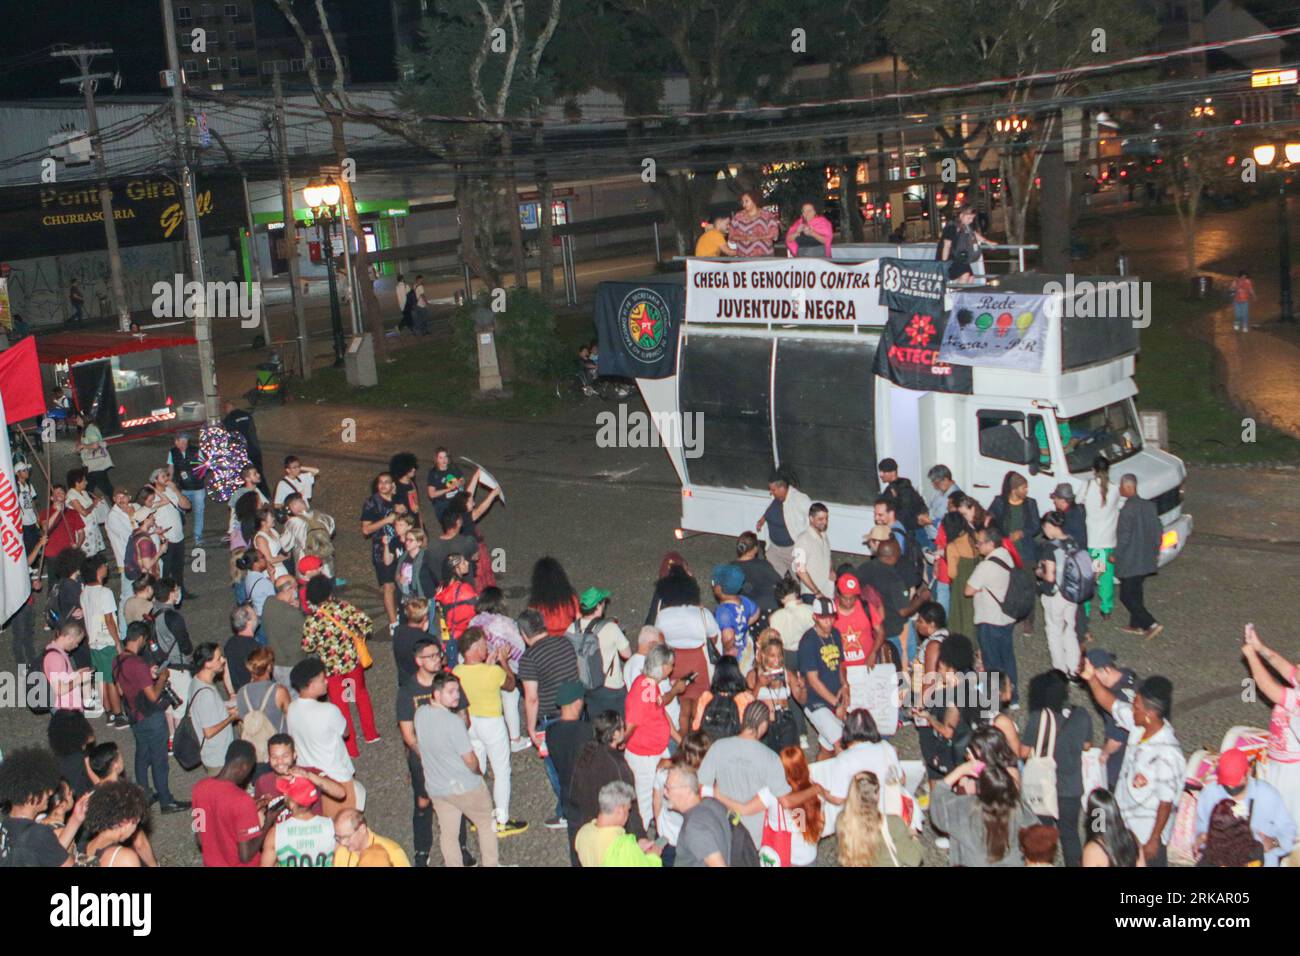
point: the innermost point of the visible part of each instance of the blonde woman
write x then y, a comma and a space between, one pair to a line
866, 836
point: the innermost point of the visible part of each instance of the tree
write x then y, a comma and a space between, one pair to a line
335, 103
1192, 147
965, 41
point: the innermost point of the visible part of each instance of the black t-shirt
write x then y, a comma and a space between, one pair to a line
438, 479
404, 641
774, 518
892, 589
237, 649
761, 580
963, 249
377, 508
410, 695
73, 768
564, 741
436, 554
32, 844
550, 662
1125, 690
406, 494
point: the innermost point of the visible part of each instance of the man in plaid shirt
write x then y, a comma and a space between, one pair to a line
332, 632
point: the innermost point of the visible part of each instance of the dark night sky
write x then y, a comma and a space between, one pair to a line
133, 28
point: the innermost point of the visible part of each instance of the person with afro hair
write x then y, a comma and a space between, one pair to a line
29, 777
113, 817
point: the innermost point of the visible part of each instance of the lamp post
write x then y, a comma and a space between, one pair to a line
1265, 154
323, 200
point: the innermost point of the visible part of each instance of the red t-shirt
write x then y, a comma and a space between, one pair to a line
62, 530
264, 786
644, 709
856, 635
224, 816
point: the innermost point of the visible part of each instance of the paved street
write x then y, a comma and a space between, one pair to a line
609, 514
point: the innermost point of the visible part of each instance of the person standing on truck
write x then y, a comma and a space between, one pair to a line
1137, 555
753, 229
786, 517
988, 585
713, 242
811, 557
960, 245
810, 234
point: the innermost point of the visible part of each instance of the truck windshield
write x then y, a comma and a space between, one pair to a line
1111, 431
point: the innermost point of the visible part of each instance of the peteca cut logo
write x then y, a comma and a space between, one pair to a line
643, 321
919, 330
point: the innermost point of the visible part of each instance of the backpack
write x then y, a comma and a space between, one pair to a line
174, 650
318, 541
256, 727
1038, 778
1075, 577
1018, 602
131, 561
187, 745
743, 851
591, 665
783, 731
721, 718
40, 695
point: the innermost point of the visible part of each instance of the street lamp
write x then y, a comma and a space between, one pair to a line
323, 200
1265, 154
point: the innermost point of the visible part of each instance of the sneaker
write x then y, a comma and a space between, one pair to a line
342, 583
941, 842
1154, 630
555, 823
1014, 707
118, 722
421, 859
511, 828
374, 740
520, 743
1132, 630
176, 806
467, 858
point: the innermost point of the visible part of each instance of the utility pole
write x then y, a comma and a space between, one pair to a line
290, 228
87, 81
181, 131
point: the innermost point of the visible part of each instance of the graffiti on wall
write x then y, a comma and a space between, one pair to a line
38, 288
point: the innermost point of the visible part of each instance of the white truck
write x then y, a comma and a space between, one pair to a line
774, 388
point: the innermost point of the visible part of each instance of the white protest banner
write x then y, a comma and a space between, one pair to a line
784, 291
876, 689
996, 330
15, 580
485, 477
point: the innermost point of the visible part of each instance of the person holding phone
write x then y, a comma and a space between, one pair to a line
1283, 767
979, 805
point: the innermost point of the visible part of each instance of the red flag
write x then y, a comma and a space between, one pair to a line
20, 382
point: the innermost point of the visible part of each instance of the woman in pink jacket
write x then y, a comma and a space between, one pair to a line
810, 234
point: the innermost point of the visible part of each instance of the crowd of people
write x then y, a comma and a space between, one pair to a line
732, 728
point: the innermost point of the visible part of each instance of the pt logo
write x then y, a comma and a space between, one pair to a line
920, 330
643, 322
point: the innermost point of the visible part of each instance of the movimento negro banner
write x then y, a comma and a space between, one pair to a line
912, 285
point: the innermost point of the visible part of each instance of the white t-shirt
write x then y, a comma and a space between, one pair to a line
669, 822
812, 553
96, 602
304, 485
119, 530
634, 668
27, 503
990, 579
317, 728
168, 517
802, 853
838, 772
687, 627
1102, 520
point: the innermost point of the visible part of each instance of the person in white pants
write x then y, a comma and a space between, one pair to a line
482, 679
1059, 613
648, 728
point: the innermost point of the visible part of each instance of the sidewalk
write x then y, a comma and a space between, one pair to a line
1261, 368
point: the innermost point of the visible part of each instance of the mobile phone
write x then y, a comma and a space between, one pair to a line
690, 678
977, 768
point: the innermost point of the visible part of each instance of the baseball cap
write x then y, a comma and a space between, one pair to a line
20, 464
310, 563
140, 512
568, 692
592, 597
729, 578
1234, 766
879, 532
823, 607
1064, 491
298, 789
847, 584
1099, 657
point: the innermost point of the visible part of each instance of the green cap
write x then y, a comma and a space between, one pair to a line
591, 597
568, 692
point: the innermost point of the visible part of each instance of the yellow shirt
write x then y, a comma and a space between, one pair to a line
482, 685
712, 243
345, 857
